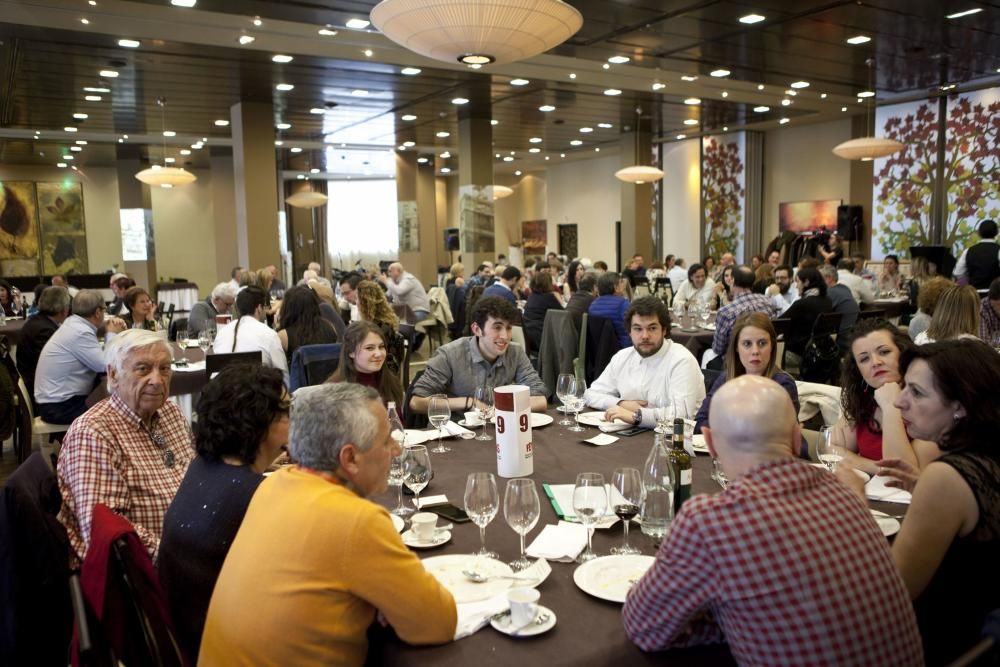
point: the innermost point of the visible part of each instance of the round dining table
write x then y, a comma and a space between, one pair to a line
696, 340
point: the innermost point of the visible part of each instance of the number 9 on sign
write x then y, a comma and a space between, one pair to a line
500, 424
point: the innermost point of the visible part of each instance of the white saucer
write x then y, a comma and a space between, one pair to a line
887, 524
503, 624
465, 424
440, 537
397, 523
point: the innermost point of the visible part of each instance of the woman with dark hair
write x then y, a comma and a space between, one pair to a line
302, 323
870, 426
574, 272
141, 310
812, 303
723, 288
8, 301
539, 302
753, 350
709, 264
241, 429
756, 261
949, 545
362, 360
375, 308
890, 280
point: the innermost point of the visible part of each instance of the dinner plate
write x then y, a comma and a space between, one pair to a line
397, 523
503, 624
448, 570
595, 418
440, 537
415, 436
610, 577
887, 524
538, 419
698, 443
707, 327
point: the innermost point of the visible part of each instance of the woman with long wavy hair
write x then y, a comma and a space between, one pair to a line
374, 307
363, 360
301, 322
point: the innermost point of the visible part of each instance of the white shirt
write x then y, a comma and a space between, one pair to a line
252, 336
677, 276
669, 377
783, 302
687, 293
861, 289
408, 291
961, 270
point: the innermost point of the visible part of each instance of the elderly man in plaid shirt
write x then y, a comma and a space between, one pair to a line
786, 564
131, 450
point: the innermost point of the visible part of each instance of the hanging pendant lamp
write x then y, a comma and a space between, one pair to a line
868, 147
165, 177
307, 199
501, 191
638, 173
477, 32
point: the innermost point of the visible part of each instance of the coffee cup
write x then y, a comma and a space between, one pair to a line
523, 605
472, 418
423, 525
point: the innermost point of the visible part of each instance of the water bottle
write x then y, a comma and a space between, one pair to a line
657, 509
396, 429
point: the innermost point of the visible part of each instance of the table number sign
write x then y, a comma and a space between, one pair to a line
513, 416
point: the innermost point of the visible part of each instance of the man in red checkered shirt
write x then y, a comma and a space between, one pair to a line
786, 564
131, 450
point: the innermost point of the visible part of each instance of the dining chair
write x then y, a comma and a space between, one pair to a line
219, 360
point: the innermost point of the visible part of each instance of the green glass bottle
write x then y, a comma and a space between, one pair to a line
680, 461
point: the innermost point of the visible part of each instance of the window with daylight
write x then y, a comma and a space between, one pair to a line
361, 222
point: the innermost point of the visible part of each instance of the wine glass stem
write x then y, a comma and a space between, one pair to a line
416, 494
482, 538
485, 419
590, 546
626, 532
399, 497
523, 557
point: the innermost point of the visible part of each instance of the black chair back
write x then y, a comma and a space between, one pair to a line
216, 362
827, 323
410, 419
872, 314
175, 326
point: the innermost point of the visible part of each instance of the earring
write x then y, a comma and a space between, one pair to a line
956, 416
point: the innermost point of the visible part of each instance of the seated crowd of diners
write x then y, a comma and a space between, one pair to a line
295, 567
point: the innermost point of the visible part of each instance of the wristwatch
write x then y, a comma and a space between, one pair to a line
637, 418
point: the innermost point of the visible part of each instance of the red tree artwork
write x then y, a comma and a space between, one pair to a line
722, 194
972, 155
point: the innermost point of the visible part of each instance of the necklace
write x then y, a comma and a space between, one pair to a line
169, 460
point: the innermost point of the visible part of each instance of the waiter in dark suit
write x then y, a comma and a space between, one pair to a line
980, 263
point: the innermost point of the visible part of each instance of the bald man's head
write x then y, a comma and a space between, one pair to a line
752, 416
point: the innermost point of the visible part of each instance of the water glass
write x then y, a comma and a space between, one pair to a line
719, 475
578, 389
482, 502
590, 501
563, 393
182, 338
205, 339
521, 510
483, 404
416, 470
627, 493
396, 474
829, 454
438, 414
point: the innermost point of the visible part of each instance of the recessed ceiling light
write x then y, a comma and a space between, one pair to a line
184, 3
296, 149
576, 142
357, 24
75, 149
402, 148
658, 86
421, 160
284, 87
761, 109
281, 58
169, 133
78, 142
327, 31
61, 165
692, 100
517, 173
725, 93
410, 71
799, 84
185, 151
69, 129
866, 93
445, 155
81, 116
822, 96
129, 43
791, 92
91, 89
688, 77
92, 98
725, 128
719, 73
750, 19
319, 111
967, 12
572, 75
681, 136
519, 82
586, 130
760, 86
496, 155
782, 121
474, 66
691, 121
507, 158
315, 170
948, 87
606, 66
359, 92
445, 170
67, 156
279, 143
197, 145
221, 122
301, 177
169, 160
843, 108
858, 39
535, 140
612, 92
85, 21
92, 3
443, 135
460, 100
534, 150
408, 117
283, 126
368, 53
246, 39
409, 144
562, 155
494, 121
785, 102
618, 60
605, 125
109, 74
546, 108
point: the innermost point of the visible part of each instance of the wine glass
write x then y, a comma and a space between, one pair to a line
627, 494
719, 474
521, 510
416, 470
562, 393
828, 453
704, 314
438, 414
483, 403
482, 502
396, 474
590, 501
577, 389
205, 338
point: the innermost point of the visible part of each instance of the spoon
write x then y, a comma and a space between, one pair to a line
542, 619
479, 577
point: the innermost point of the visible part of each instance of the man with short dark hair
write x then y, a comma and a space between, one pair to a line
484, 274
611, 304
600, 266
248, 331
119, 284
53, 309
235, 275
654, 372
486, 358
634, 269
989, 315
754, 565
349, 293
580, 300
980, 263
744, 301
504, 287
783, 292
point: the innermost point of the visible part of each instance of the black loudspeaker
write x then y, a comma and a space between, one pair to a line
849, 222
451, 239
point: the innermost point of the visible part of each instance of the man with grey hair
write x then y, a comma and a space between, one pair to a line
130, 451
349, 561
844, 302
405, 288
53, 309
71, 360
203, 313
318, 270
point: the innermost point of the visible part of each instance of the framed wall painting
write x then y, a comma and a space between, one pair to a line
18, 228
63, 228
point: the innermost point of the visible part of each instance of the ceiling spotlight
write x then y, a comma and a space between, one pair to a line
720, 73
81, 116
785, 102
474, 66
517, 173
90, 89
822, 96
535, 140
169, 160
725, 94
576, 142
78, 142
659, 86
169, 133
221, 122
69, 129
760, 86
618, 60
368, 53
445, 170
725, 128
494, 122
534, 150
184, 3
612, 92
859, 39
296, 149
85, 21
791, 92
688, 77
586, 130
843, 108
420, 160
185, 151
546, 108
129, 43
681, 136
445, 155
459, 100
246, 39
691, 121
750, 19
357, 24
761, 109
279, 143
408, 117
409, 144
947, 87
410, 71
572, 75
327, 31
284, 87
109, 74
782, 121
319, 111
799, 84
507, 158
692, 100
61, 165
519, 82
443, 135
967, 12
606, 66
562, 155
866, 93
283, 126
281, 58
75, 149
605, 126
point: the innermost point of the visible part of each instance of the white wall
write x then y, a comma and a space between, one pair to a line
587, 193
681, 190
799, 166
183, 228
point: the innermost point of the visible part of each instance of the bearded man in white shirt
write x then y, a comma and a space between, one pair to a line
654, 372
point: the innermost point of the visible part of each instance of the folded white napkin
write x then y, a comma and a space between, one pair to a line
876, 489
191, 367
474, 615
602, 440
613, 427
561, 542
453, 429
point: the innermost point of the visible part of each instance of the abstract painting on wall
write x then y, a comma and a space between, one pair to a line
534, 235
18, 229
64, 232
723, 193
